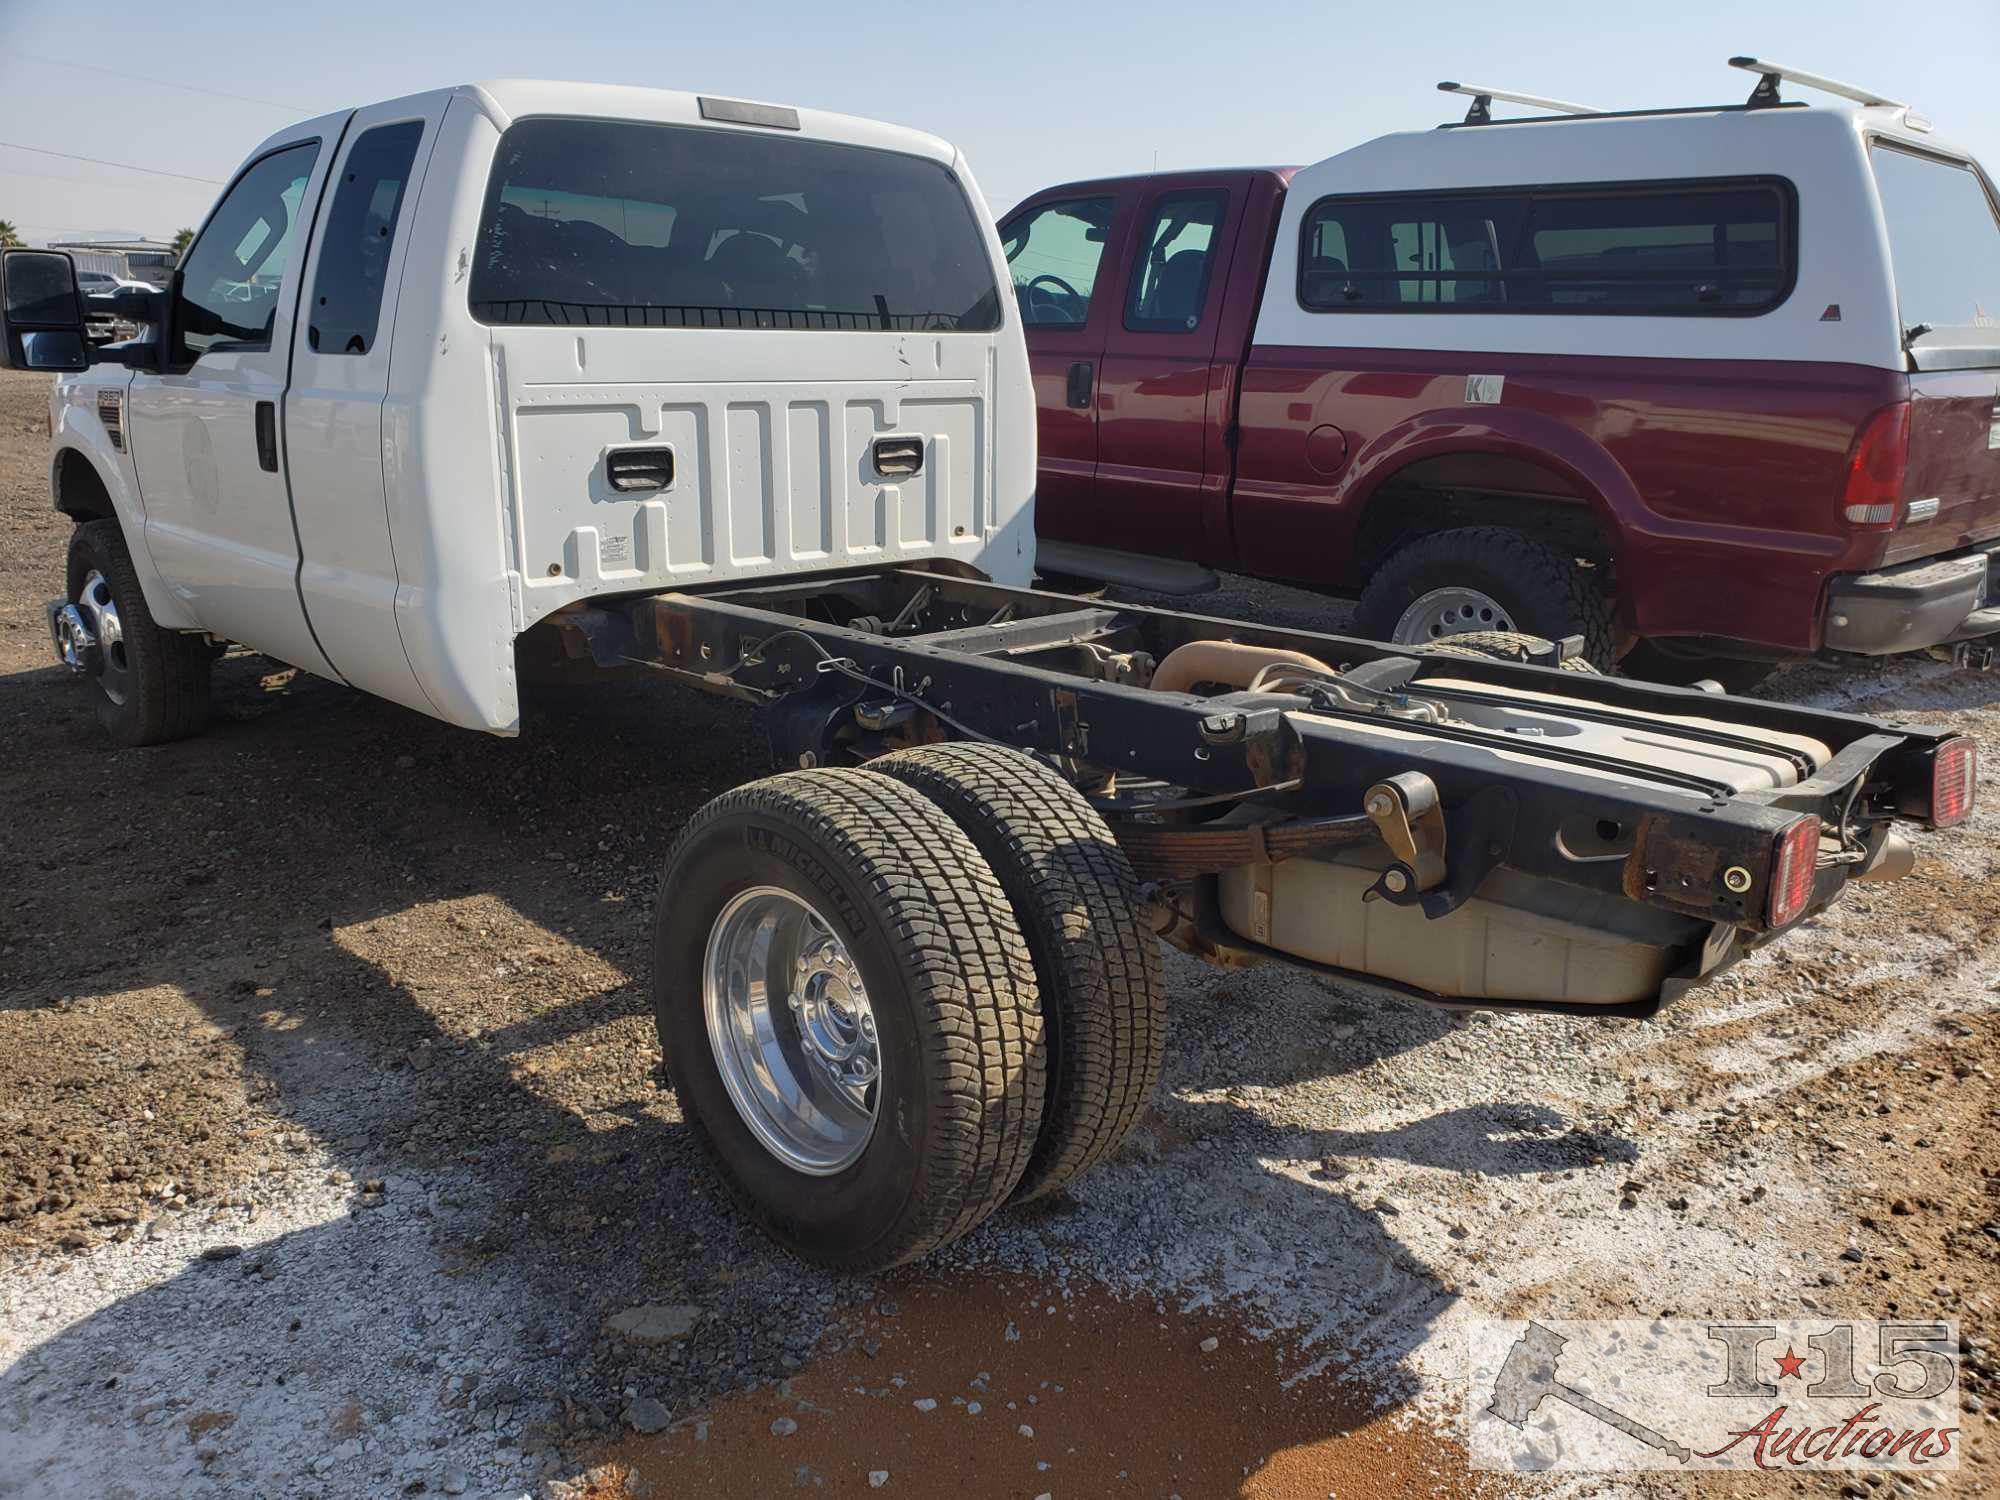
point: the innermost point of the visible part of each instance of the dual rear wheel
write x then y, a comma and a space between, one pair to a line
893, 999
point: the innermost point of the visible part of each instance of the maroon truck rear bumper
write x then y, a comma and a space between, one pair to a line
1930, 602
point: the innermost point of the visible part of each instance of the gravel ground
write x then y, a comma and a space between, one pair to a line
335, 1157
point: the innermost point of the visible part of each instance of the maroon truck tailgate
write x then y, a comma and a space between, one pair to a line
1954, 461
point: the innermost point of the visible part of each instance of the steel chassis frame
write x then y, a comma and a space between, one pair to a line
919, 655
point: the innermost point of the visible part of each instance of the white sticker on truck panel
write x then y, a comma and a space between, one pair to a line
1483, 390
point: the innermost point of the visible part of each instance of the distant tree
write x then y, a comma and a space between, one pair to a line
182, 239
10, 237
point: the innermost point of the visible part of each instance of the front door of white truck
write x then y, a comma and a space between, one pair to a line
333, 412
205, 429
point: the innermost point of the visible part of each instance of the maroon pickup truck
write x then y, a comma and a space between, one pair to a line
1708, 388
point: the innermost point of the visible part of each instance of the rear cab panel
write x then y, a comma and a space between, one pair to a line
545, 341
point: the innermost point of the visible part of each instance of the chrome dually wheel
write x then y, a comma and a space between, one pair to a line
100, 612
792, 1030
849, 1015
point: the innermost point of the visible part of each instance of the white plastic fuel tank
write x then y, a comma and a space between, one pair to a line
1515, 940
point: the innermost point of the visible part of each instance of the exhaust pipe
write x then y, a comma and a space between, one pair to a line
1230, 663
1891, 859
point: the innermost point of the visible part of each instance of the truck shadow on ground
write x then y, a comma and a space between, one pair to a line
429, 948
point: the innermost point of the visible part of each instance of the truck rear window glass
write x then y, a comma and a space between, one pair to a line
1943, 240
1702, 249
605, 222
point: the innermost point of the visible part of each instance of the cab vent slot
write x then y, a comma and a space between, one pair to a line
111, 412
899, 457
634, 471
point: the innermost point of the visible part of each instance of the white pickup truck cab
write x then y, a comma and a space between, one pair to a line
730, 392
512, 345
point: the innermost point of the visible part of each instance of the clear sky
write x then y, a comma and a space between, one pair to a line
1034, 93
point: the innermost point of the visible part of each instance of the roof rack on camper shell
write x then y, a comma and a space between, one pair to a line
1481, 112
1764, 96
1770, 74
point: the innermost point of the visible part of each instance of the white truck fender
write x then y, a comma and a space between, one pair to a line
83, 454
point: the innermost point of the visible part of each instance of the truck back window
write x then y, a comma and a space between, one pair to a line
1700, 248
612, 223
1943, 240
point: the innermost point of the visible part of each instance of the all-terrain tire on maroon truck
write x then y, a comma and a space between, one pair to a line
1486, 578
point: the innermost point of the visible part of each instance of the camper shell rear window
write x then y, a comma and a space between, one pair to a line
1708, 248
622, 224
1944, 239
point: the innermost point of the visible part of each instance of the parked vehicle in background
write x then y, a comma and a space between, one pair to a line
148, 262
98, 288
99, 263
531, 375
1709, 388
104, 283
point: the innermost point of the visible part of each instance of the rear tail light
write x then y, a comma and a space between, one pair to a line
1873, 494
1794, 864
1954, 768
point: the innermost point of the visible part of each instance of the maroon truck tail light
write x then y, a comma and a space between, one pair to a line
1794, 864
1872, 497
1954, 769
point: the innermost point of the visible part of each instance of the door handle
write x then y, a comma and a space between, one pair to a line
267, 436
633, 471
1081, 375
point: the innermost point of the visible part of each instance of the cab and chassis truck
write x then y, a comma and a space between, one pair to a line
526, 375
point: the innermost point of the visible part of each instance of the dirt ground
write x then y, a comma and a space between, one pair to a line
336, 1159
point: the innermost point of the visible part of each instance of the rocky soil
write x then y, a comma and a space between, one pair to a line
335, 1157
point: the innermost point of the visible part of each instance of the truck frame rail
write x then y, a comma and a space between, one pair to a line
860, 664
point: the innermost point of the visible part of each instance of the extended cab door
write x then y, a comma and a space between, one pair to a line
205, 431
1161, 411
334, 412
1055, 246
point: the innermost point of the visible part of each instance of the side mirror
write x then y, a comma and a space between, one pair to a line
41, 312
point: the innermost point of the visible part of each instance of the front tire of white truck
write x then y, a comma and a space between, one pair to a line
849, 1015
151, 685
